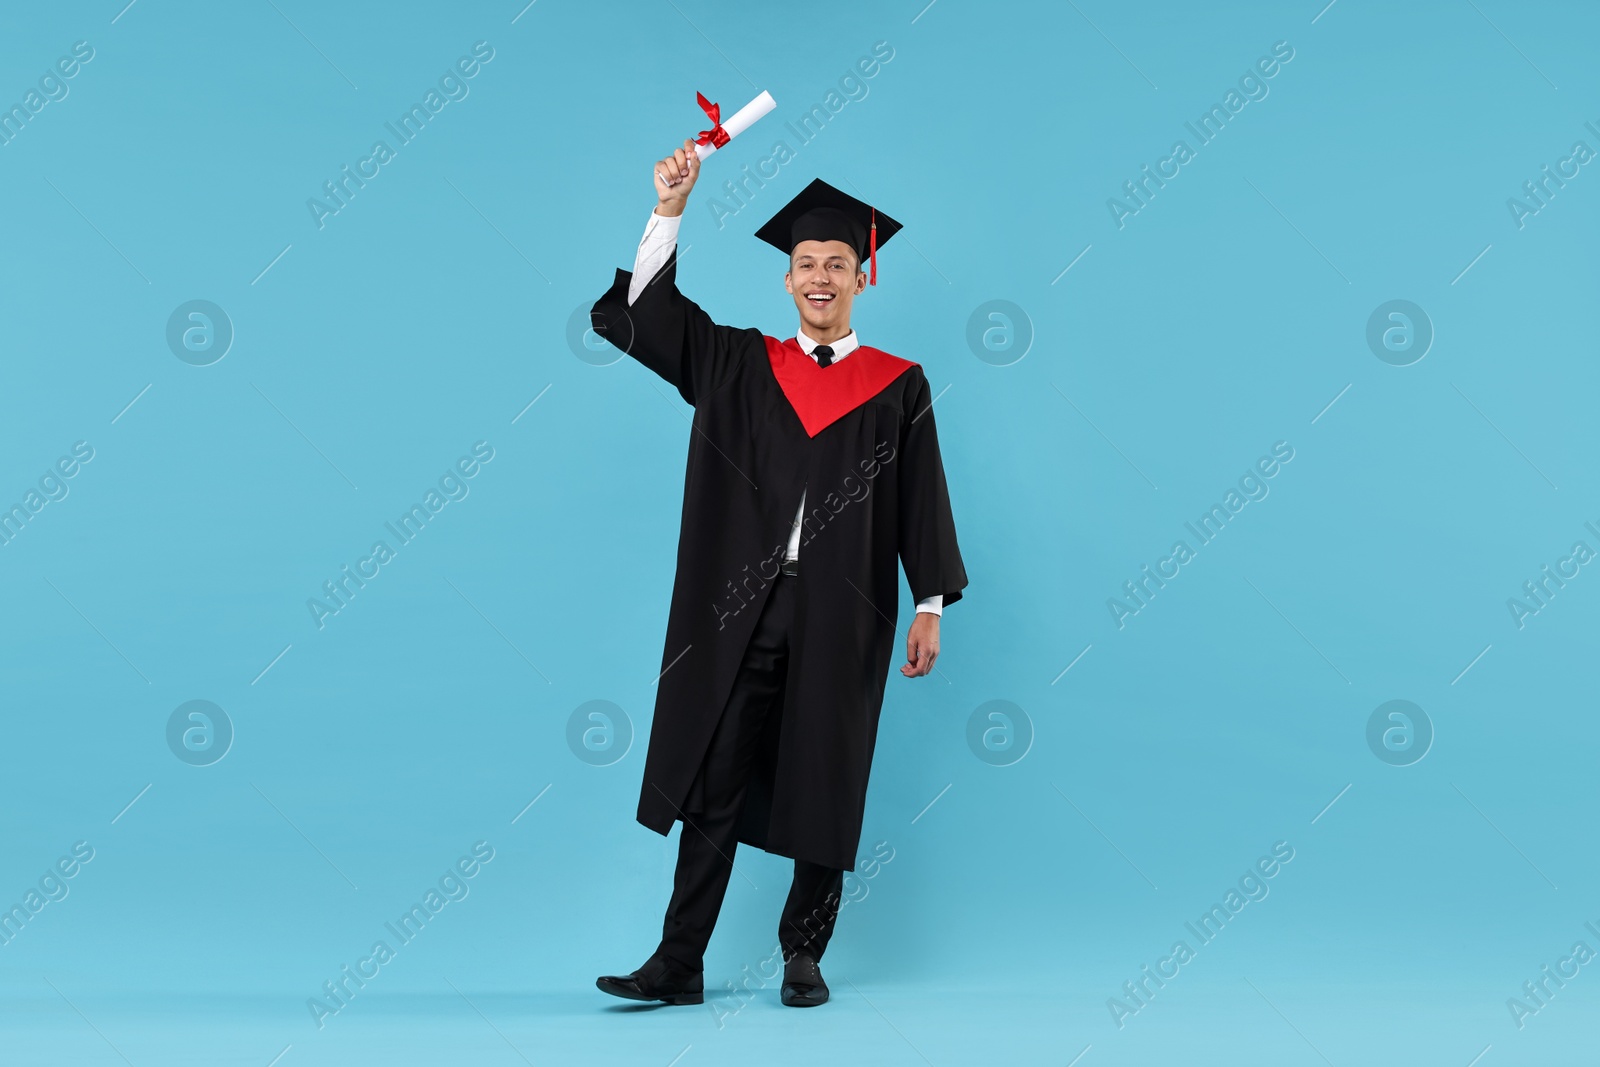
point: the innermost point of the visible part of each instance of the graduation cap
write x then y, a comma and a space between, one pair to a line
822, 213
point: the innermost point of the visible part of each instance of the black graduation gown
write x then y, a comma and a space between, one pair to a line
875, 491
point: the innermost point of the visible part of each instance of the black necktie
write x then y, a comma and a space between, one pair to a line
824, 355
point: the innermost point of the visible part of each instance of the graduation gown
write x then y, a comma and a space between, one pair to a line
858, 439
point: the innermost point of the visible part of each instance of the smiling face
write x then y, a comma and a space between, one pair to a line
824, 278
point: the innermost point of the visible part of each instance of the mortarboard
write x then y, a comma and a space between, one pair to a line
822, 213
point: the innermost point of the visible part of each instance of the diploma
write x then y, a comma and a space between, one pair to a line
708, 141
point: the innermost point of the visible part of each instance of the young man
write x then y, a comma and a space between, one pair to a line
773, 673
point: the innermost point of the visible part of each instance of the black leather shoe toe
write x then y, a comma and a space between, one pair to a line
803, 986
655, 983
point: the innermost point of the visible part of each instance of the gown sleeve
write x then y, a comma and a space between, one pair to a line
669, 334
928, 548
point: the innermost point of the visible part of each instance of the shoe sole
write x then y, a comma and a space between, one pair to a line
670, 998
796, 1002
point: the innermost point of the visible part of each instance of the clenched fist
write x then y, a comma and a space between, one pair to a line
675, 176
922, 645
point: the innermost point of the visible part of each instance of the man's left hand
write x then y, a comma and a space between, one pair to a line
922, 645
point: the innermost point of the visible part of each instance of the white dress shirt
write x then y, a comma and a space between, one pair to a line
655, 248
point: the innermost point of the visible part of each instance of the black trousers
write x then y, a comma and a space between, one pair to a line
711, 817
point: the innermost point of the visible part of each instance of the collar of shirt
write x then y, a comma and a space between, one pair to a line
841, 348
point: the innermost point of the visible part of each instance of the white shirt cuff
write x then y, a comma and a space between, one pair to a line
934, 603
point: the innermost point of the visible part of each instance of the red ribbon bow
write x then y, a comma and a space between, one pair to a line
716, 136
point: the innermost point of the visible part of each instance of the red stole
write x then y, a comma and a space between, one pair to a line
823, 395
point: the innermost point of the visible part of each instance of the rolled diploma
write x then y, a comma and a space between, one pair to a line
740, 121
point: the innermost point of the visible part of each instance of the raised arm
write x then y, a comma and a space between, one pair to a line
645, 315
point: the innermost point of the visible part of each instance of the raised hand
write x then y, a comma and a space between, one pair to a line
674, 177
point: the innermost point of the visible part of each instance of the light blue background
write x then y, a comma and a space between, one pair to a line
1226, 716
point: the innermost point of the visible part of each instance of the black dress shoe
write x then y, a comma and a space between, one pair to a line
803, 986
657, 980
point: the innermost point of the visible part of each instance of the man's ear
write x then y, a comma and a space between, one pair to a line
861, 281
788, 285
